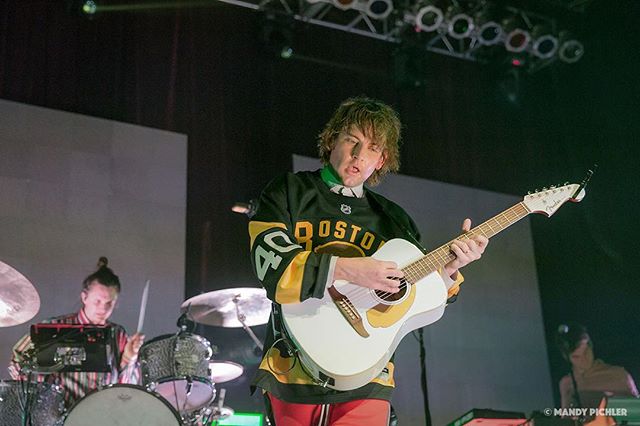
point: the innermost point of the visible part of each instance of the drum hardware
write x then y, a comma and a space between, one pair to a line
19, 300
242, 318
215, 412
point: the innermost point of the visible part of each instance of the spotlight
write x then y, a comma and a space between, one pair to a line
343, 4
89, 7
517, 39
460, 24
488, 31
245, 208
545, 45
378, 9
278, 38
429, 18
571, 50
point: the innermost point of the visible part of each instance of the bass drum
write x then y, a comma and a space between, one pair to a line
123, 405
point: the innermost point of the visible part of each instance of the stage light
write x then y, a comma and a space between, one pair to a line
571, 50
89, 7
286, 52
429, 18
378, 9
517, 39
460, 24
488, 31
344, 4
545, 45
245, 208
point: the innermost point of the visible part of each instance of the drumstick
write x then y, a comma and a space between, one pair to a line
143, 306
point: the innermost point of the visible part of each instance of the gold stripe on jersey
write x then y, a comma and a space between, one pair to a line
256, 228
290, 371
290, 283
455, 287
386, 377
285, 370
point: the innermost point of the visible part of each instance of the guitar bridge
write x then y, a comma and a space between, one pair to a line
348, 311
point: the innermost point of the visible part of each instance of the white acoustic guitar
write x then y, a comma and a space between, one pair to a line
345, 339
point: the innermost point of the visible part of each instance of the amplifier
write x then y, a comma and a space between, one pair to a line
488, 417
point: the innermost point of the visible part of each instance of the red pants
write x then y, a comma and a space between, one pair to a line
369, 412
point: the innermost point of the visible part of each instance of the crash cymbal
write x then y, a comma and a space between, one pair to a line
222, 307
224, 371
19, 300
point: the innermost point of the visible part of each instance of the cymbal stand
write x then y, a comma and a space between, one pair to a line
242, 318
214, 411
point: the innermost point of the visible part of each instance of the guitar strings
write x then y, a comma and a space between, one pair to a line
442, 255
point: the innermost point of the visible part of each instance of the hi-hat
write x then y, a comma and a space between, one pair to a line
229, 307
19, 300
224, 371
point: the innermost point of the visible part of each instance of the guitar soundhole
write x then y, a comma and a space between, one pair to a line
393, 298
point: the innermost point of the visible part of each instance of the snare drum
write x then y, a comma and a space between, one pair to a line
176, 366
46, 407
125, 405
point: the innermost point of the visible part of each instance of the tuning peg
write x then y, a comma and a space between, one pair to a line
566, 183
528, 192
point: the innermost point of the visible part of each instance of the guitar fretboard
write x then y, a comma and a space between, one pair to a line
439, 257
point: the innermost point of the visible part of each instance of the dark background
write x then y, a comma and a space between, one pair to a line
208, 73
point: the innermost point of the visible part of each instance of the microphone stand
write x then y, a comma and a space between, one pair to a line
423, 378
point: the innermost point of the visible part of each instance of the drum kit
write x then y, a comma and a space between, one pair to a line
178, 372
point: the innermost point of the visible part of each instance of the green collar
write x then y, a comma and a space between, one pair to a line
330, 176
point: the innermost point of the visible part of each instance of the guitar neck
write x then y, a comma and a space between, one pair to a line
439, 257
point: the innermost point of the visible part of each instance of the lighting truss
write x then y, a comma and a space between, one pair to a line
464, 29
354, 17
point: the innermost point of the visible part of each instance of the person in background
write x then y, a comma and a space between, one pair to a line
589, 378
99, 296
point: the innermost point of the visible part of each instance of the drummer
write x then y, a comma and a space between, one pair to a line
99, 295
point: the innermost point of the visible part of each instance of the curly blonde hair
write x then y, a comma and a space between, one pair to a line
376, 121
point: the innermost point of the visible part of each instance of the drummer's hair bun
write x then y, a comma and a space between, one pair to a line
104, 275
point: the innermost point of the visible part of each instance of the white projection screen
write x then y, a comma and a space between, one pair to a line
74, 188
488, 351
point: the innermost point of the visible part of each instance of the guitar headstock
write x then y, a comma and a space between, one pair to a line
548, 200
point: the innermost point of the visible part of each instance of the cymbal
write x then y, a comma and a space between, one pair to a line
19, 300
222, 307
225, 371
